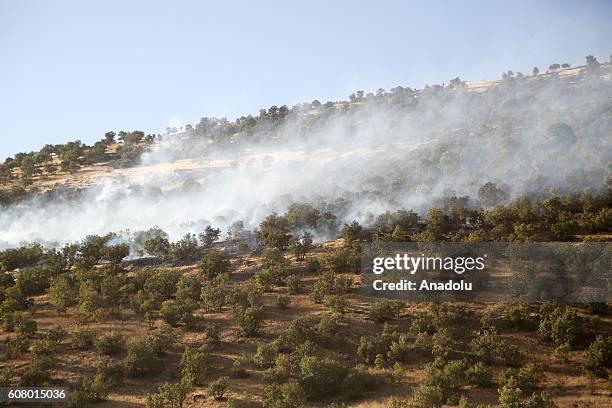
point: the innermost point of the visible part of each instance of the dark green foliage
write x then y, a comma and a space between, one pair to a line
108, 376
169, 395
63, 293
561, 326
194, 365
11, 259
142, 360
389, 344
110, 343
185, 249
209, 236
213, 264
274, 232
519, 316
385, 310
115, 253
83, 339
599, 355
329, 284
320, 377
217, 388
289, 395
344, 260
442, 382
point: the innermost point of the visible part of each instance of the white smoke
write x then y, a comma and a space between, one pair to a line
402, 150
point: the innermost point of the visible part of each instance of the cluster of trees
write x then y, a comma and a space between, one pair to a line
70, 156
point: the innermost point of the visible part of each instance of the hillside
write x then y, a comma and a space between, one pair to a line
220, 265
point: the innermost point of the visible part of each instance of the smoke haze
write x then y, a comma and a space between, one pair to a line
401, 149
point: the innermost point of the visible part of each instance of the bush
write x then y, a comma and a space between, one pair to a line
329, 326
169, 396
442, 343
185, 249
313, 265
479, 375
174, 312
35, 376
337, 303
213, 264
328, 284
370, 347
249, 320
194, 365
320, 377
142, 360
284, 396
239, 367
442, 382
62, 293
275, 375
217, 388
598, 357
83, 339
484, 346
529, 377
109, 344
265, 356
426, 396
356, 384
562, 326
108, 376
17, 346
161, 339
283, 301
343, 260
519, 316
294, 284
214, 294
20, 323
213, 333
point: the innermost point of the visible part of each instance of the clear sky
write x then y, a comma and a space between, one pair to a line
75, 69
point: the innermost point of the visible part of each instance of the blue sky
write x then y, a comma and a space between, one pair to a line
75, 69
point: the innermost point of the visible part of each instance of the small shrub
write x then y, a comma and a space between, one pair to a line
283, 301
397, 373
320, 377
249, 320
218, 388
479, 375
442, 343
598, 357
110, 344
519, 316
142, 360
169, 396
239, 367
313, 265
356, 384
337, 303
562, 326
265, 356
385, 310
83, 339
108, 375
289, 395
294, 284
214, 263
561, 352
194, 365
